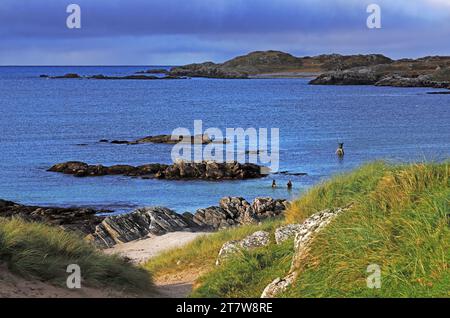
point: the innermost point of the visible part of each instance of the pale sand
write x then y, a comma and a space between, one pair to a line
171, 286
141, 250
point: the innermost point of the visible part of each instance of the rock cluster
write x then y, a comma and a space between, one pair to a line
234, 211
169, 139
154, 71
137, 225
106, 231
139, 76
425, 72
257, 239
177, 171
83, 220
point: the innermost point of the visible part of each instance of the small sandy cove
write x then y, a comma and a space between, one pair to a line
172, 286
141, 250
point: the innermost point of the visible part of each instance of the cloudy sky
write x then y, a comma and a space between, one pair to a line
171, 32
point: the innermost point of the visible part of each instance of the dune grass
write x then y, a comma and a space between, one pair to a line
200, 255
246, 274
399, 221
38, 251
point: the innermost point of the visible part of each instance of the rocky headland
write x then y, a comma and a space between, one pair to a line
423, 72
331, 69
325, 69
264, 63
178, 171
107, 231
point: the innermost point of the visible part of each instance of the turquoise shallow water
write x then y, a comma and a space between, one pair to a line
44, 121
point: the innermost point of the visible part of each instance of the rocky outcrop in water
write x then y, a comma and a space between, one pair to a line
154, 71
105, 77
82, 220
177, 171
169, 139
68, 75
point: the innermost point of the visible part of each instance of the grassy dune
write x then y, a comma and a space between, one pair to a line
399, 220
37, 251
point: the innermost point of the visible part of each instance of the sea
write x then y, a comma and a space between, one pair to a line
47, 121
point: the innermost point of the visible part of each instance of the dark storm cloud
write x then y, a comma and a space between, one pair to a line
177, 31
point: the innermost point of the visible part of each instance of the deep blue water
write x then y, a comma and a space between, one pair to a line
43, 121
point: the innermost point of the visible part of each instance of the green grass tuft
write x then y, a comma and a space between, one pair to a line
38, 251
247, 273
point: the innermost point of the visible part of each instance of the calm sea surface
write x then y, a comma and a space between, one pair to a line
44, 122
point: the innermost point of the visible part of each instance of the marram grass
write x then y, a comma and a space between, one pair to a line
38, 251
399, 221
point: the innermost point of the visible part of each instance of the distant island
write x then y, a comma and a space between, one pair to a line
331, 69
325, 69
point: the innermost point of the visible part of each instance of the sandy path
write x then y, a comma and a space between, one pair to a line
178, 285
141, 250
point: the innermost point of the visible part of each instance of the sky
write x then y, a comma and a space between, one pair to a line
176, 32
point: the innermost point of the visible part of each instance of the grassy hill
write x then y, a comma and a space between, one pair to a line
399, 220
40, 252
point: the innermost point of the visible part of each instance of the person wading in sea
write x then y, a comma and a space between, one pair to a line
289, 185
274, 184
340, 150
